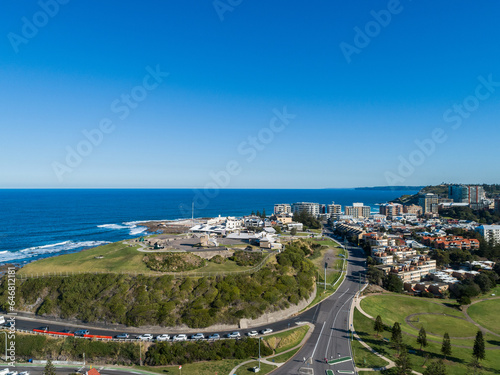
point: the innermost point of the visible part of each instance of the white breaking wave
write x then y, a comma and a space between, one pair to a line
112, 226
132, 226
8, 256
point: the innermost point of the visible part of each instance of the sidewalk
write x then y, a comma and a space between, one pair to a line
356, 304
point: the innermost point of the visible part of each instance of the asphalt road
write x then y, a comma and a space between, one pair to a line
330, 338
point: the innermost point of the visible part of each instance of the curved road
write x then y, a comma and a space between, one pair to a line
330, 338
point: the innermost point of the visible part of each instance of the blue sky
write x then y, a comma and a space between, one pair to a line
351, 121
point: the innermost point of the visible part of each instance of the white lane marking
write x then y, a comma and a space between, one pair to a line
315, 346
333, 325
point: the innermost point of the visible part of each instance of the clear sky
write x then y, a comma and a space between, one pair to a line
360, 84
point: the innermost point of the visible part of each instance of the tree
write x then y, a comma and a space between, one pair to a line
436, 368
375, 276
293, 232
422, 338
403, 363
393, 283
464, 300
396, 337
446, 346
277, 228
478, 349
378, 326
484, 282
49, 368
263, 213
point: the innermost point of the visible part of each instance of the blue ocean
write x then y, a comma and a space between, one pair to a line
45, 222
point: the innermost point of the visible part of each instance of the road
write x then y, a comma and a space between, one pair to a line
330, 338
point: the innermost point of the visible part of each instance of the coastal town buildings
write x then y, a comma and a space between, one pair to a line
491, 233
310, 208
473, 195
429, 203
284, 208
391, 209
357, 210
333, 210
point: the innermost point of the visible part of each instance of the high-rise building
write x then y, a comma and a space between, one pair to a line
358, 210
311, 208
490, 233
391, 209
412, 209
333, 209
471, 194
429, 203
282, 208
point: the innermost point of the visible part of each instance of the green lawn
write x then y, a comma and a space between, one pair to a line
456, 364
486, 314
363, 358
439, 324
283, 341
116, 257
247, 369
395, 308
200, 368
285, 356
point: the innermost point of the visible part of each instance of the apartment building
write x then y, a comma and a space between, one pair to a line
284, 208
429, 203
310, 208
357, 210
490, 233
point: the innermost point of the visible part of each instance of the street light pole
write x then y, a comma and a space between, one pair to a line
259, 352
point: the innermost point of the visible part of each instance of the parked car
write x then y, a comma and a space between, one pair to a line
180, 337
198, 336
145, 337
233, 335
163, 337
81, 332
122, 336
13, 373
214, 336
252, 333
266, 331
